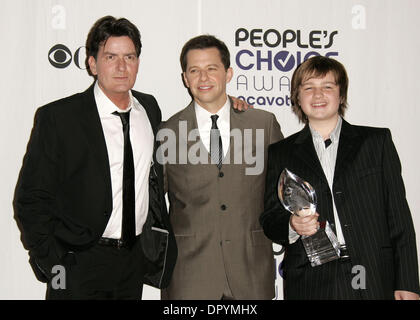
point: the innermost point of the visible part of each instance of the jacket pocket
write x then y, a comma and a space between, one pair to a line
366, 172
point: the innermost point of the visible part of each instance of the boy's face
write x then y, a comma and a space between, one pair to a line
319, 98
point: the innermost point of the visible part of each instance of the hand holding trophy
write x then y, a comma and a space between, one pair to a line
299, 198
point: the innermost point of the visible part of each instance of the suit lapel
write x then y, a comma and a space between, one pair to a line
349, 144
237, 122
148, 109
305, 151
92, 126
189, 117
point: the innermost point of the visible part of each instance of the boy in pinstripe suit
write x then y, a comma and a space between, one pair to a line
356, 174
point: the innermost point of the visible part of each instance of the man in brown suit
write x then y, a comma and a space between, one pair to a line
215, 161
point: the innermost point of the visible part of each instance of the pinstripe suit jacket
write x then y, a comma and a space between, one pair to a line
369, 194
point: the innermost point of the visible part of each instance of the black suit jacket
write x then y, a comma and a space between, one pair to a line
370, 199
63, 198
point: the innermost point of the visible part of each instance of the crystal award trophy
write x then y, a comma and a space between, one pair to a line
298, 197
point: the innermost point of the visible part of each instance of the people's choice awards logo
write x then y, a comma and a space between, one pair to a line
266, 60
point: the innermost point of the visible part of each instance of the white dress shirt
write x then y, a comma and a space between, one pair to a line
327, 157
204, 124
141, 137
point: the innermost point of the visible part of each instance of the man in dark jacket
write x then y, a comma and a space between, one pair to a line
89, 199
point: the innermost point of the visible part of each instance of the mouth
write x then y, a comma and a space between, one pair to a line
205, 88
319, 105
120, 78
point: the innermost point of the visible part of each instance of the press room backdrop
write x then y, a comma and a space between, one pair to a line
42, 55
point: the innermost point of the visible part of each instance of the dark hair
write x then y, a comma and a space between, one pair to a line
204, 42
110, 27
318, 66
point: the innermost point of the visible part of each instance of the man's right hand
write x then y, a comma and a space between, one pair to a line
305, 226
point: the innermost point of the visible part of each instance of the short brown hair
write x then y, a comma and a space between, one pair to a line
318, 66
205, 42
106, 27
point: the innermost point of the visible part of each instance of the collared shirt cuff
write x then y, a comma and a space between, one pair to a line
293, 235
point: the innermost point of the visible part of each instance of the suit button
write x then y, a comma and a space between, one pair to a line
106, 214
223, 207
221, 174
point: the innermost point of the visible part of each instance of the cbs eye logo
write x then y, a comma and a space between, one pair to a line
61, 57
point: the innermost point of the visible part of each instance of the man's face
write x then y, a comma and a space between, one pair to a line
116, 66
206, 78
320, 98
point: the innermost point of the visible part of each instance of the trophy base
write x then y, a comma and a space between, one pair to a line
322, 247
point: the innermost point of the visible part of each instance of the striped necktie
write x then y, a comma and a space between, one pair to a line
216, 148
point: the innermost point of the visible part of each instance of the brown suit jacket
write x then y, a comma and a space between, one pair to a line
215, 216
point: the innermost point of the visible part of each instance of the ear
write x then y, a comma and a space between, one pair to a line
229, 75
185, 80
92, 65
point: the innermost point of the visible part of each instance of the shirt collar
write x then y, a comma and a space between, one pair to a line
334, 135
106, 107
203, 116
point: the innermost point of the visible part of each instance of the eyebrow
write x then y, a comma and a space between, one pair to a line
209, 65
116, 54
324, 82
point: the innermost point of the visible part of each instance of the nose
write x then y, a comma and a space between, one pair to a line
318, 92
121, 65
203, 75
